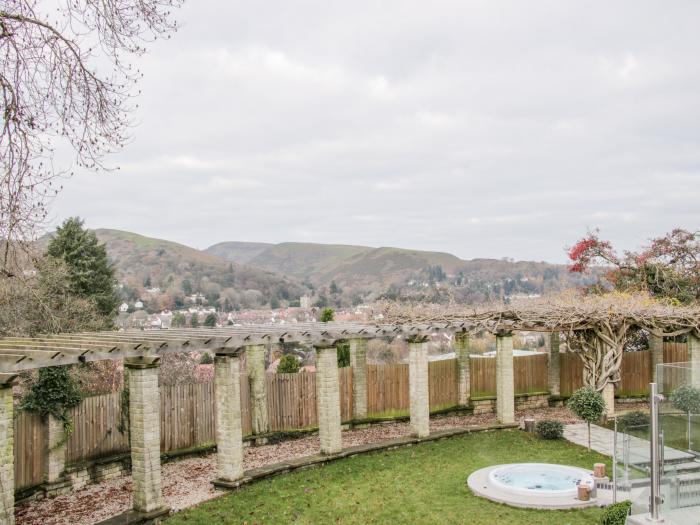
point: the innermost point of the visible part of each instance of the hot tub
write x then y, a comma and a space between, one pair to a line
542, 479
538, 485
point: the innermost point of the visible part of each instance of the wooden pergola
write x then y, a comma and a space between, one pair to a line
141, 351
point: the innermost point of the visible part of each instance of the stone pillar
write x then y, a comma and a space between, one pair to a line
505, 389
694, 358
7, 455
255, 361
609, 398
144, 425
55, 463
229, 432
419, 392
554, 366
461, 345
358, 362
656, 354
328, 399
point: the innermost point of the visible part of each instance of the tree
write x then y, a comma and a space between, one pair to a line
667, 267
588, 404
186, 287
210, 320
686, 398
44, 304
327, 315
179, 320
66, 82
194, 320
289, 364
91, 275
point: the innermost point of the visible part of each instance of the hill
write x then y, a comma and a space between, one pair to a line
365, 273
146, 263
239, 252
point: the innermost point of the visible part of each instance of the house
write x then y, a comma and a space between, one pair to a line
305, 301
138, 304
123, 308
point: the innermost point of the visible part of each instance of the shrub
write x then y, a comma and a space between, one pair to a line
206, 359
686, 399
289, 364
343, 354
615, 514
327, 315
550, 429
588, 404
633, 419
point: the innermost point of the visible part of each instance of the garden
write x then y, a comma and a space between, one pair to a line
425, 483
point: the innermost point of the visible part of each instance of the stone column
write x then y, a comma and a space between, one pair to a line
255, 361
55, 463
7, 455
554, 367
328, 399
419, 392
656, 354
358, 362
505, 389
229, 431
144, 425
461, 346
694, 358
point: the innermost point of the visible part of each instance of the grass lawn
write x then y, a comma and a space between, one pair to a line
420, 484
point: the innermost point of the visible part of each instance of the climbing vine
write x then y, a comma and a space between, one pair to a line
53, 393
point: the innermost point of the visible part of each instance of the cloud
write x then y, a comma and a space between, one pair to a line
484, 129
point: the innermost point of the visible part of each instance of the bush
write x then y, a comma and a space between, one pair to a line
615, 514
206, 359
686, 399
289, 364
588, 404
550, 429
633, 419
343, 354
327, 315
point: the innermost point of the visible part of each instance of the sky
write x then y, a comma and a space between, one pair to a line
479, 128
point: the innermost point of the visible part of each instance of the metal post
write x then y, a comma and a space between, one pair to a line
614, 462
655, 497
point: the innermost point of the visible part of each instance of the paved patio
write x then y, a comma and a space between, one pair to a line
602, 441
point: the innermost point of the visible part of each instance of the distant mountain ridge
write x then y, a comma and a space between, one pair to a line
368, 271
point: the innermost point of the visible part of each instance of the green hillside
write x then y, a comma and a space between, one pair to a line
239, 252
178, 270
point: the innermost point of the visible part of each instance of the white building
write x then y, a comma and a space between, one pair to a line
124, 307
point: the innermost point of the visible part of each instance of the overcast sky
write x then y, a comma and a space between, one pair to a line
485, 129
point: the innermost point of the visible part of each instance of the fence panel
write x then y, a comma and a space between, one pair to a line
530, 374
387, 390
291, 401
675, 352
570, 373
96, 432
345, 376
635, 374
673, 377
30, 441
482, 377
443, 380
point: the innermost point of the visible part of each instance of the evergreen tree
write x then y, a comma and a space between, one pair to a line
194, 320
210, 320
90, 274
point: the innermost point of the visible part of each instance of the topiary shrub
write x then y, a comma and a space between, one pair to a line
615, 514
633, 419
686, 398
550, 429
289, 364
588, 404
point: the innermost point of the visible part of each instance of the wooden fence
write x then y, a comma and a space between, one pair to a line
187, 411
530, 375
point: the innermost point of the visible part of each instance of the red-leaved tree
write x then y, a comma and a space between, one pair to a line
668, 266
